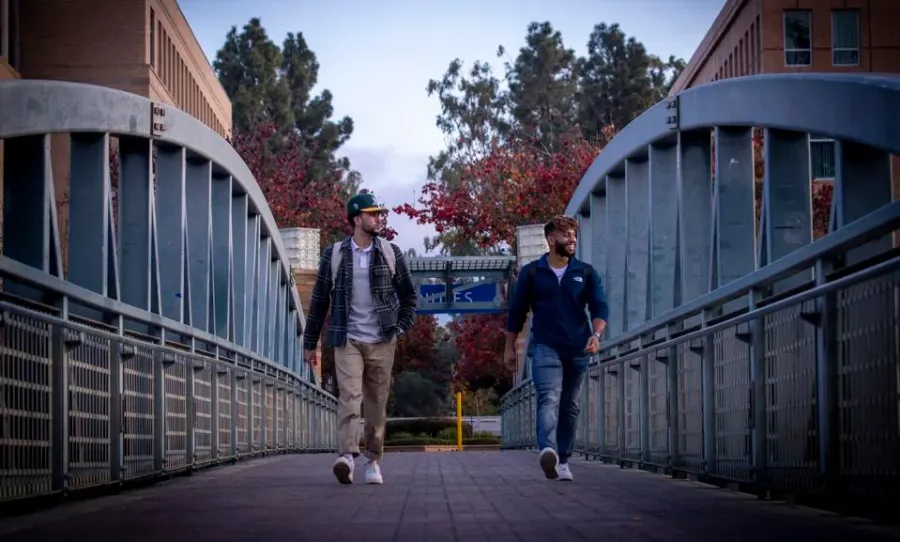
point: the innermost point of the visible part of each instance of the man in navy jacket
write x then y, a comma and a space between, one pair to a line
557, 288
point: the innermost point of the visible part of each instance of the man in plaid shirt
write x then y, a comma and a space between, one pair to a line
366, 282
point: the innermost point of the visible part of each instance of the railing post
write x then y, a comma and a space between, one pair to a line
60, 407
214, 375
159, 411
827, 381
708, 386
119, 353
757, 412
620, 384
672, 405
644, 397
601, 410
190, 413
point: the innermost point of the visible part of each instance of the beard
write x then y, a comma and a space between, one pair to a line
564, 250
374, 231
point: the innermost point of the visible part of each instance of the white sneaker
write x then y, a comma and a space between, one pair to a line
549, 460
565, 474
373, 473
343, 469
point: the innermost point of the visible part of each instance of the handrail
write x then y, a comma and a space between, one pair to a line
869, 227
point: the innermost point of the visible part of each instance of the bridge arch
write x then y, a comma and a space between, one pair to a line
36, 108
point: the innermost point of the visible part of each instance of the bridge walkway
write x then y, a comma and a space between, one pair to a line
471, 496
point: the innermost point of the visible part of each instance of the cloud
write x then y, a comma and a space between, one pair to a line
396, 177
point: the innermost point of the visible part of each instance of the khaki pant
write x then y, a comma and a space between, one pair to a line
364, 378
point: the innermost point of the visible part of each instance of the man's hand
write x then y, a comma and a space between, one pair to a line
593, 345
310, 356
509, 356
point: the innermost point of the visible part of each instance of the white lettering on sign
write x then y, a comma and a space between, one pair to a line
458, 297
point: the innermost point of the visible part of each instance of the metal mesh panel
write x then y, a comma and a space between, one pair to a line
137, 396
690, 407
631, 371
611, 423
269, 398
589, 412
243, 427
290, 416
732, 405
175, 377
25, 402
224, 383
89, 396
256, 416
791, 437
869, 387
279, 417
658, 387
202, 414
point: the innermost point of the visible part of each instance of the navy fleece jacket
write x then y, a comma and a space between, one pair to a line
559, 319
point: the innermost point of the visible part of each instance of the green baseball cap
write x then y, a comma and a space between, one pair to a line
363, 203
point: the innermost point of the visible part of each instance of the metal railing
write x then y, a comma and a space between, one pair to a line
157, 328
759, 357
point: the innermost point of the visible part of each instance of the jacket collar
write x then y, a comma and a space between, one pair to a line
574, 263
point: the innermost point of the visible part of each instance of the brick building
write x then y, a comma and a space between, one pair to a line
140, 46
751, 37
144, 47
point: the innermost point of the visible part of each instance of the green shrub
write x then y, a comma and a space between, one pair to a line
449, 433
432, 441
424, 426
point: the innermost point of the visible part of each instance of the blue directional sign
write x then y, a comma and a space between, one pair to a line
467, 298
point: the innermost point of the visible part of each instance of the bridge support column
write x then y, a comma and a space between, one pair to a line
694, 216
734, 248
663, 229
788, 204
617, 241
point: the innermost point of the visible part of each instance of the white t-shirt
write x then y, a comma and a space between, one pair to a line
559, 272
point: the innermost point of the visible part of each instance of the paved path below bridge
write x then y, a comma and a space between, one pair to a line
471, 496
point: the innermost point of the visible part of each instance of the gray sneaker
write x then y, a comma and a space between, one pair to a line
343, 469
549, 461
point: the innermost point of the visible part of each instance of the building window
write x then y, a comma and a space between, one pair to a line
9, 32
152, 38
845, 37
821, 157
797, 38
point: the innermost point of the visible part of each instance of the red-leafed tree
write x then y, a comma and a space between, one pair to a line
416, 348
517, 182
296, 199
479, 343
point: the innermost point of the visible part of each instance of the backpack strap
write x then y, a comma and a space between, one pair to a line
336, 254
383, 245
388, 252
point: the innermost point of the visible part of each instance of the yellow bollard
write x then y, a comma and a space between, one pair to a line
459, 432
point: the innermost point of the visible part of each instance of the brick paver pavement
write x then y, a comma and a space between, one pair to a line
470, 496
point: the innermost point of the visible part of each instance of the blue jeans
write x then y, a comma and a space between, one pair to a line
557, 382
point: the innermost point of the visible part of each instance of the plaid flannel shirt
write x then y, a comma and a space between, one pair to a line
395, 299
